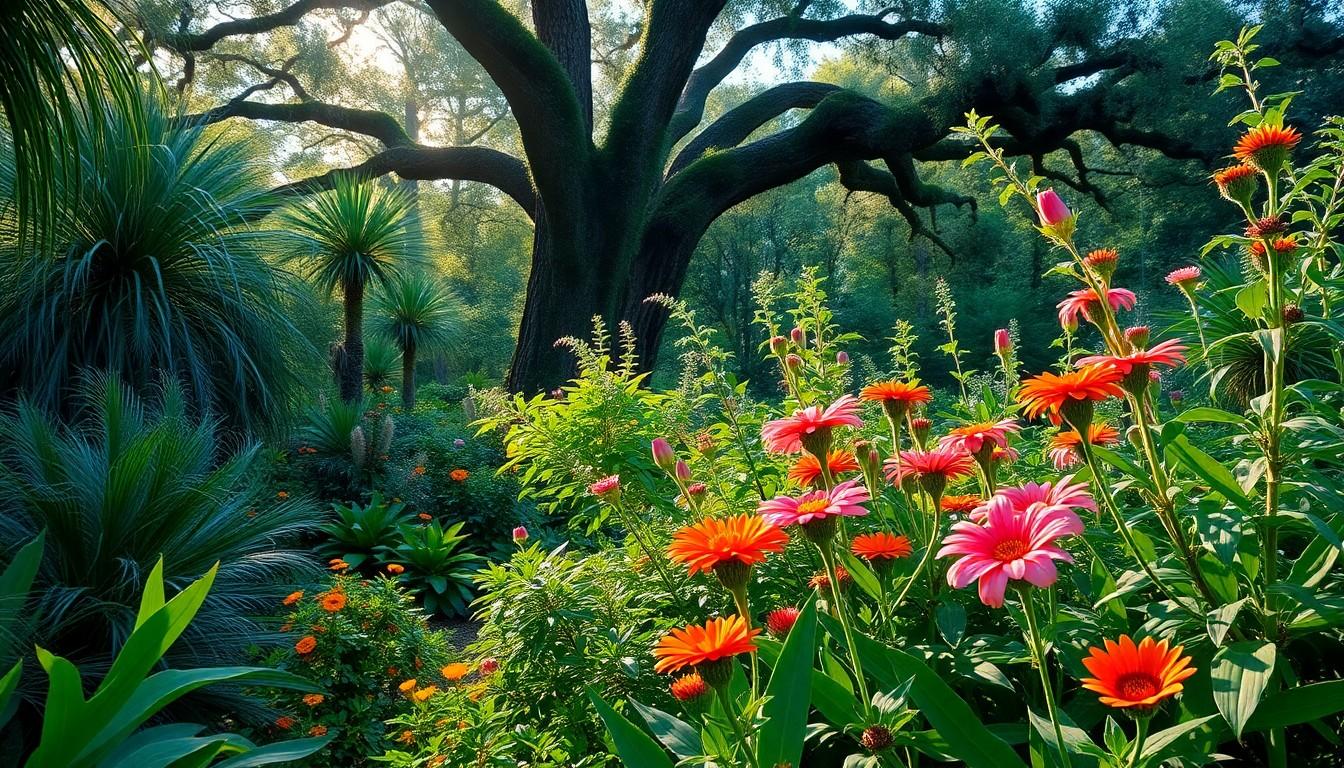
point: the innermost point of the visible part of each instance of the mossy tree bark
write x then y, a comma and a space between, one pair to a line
350, 358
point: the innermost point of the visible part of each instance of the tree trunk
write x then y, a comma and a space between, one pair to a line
408, 377
351, 376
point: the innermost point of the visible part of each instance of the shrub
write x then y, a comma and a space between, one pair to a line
436, 570
131, 484
359, 640
360, 534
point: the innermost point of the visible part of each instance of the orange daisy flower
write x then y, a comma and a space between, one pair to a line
1267, 146
736, 542
700, 647
1237, 183
458, 475
293, 597
897, 397
806, 471
821, 581
424, 693
318, 730
1139, 676
1064, 444
395, 568
313, 699
455, 671
960, 503
337, 564
407, 686
1073, 392
689, 687
306, 645
333, 601
284, 722
880, 546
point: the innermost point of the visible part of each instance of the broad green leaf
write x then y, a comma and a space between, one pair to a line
1299, 705
1253, 299
1219, 576
1214, 415
635, 747
788, 695
1082, 750
862, 575
1167, 743
1240, 673
15, 583
951, 622
8, 684
676, 735
1220, 620
294, 750
1210, 470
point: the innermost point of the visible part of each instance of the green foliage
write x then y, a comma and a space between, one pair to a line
368, 638
418, 314
129, 486
151, 265
599, 424
437, 570
382, 362
360, 533
102, 730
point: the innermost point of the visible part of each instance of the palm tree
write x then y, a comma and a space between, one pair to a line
417, 314
354, 234
149, 266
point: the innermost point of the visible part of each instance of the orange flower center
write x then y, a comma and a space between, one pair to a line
813, 507
1010, 549
1137, 686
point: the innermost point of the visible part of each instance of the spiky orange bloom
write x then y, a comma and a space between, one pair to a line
306, 645
313, 699
337, 564
318, 730
806, 470
694, 645
880, 546
1050, 393
822, 581
458, 475
455, 671
1233, 175
333, 601
1267, 146
407, 686
908, 392
395, 568
293, 597
1140, 676
962, 504
689, 687
424, 693
744, 539
1064, 444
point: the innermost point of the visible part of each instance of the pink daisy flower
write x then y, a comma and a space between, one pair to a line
1078, 302
972, 437
845, 499
1183, 276
942, 462
1168, 353
1008, 546
787, 435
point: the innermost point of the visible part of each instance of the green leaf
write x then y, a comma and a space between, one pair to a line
1253, 299
1213, 415
1082, 750
788, 695
1299, 705
8, 684
951, 622
1240, 673
280, 752
1210, 470
1271, 340
1167, 743
862, 575
967, 738
676, 735
1220, 620
635, 747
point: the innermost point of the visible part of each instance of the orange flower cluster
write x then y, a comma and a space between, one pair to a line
458, 475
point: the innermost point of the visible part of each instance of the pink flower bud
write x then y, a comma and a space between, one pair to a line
1138, 336
696, 489
793, 363
489, 666
607, 488
778, 344
1003, 343
842, 357
1051, 208
519, 535
798, 337
682, 471
662, 453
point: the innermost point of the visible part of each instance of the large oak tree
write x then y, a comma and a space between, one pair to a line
618, 211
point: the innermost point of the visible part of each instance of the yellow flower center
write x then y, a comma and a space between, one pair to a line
814, 506
1137, 686
1010, 549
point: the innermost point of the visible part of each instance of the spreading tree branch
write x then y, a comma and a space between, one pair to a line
740, 122
368, 122
184, 42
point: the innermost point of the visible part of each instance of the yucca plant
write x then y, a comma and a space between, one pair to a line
437, 569
130, 484
419, 315
381, 358
355, 234
153, 267
361, 532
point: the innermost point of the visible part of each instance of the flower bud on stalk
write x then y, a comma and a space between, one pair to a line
920, 427
778, 345
1102, 262
799, 337
663, 454
1057, 221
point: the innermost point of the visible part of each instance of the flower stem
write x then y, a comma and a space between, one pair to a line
1037, 644
1140, 734
828, 561
744, 610
735, 723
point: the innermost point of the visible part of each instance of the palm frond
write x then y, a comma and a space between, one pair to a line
416, 312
